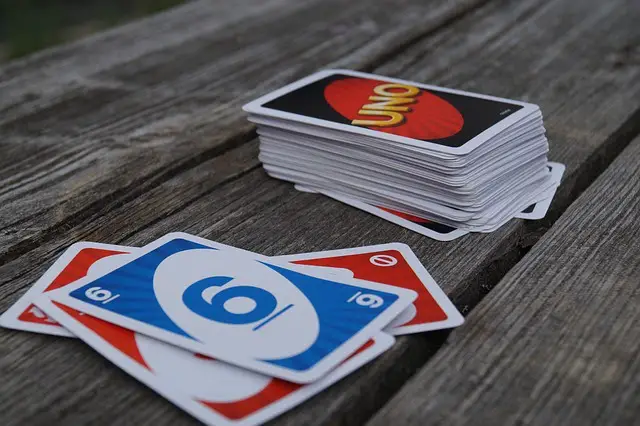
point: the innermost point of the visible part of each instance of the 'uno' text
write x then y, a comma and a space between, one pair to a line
389, 102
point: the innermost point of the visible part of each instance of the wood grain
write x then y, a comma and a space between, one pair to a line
591, 111
557, 341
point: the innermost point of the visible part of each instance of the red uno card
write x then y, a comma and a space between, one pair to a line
393, 264
216, 393
79, 260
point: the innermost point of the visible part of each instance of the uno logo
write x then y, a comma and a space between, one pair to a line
217, 296
395, 108
391, 101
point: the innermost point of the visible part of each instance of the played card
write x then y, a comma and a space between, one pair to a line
425, 116
79, 260
239, 307
215, 392
394, 264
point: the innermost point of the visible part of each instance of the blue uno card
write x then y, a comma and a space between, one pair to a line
239, 307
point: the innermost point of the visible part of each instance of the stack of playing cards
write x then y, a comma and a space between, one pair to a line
230, 336
407, 151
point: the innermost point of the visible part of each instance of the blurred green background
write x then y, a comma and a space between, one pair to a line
27, 26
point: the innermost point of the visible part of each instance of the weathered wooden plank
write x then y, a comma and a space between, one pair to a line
557, 341
265, 215
109, 117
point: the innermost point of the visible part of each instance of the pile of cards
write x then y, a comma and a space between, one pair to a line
463, 161
230, 336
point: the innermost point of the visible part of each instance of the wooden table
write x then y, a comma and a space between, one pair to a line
138, 131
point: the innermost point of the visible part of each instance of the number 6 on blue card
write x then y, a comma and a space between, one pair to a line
239, 307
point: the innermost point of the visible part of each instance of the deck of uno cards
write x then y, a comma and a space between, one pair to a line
438, 161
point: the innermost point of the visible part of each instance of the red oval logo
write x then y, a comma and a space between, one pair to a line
394, 108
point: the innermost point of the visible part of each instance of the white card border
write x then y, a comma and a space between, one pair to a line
256, 107
454, 317
405, 297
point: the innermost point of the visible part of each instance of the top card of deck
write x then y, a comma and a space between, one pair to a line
431, 117
239, 307
393, 264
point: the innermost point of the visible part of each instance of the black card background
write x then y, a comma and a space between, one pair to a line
479, 114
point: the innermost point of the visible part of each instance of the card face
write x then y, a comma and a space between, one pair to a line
540, 209
271, 317
421, 115
216, 393
79, 260
393, 264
